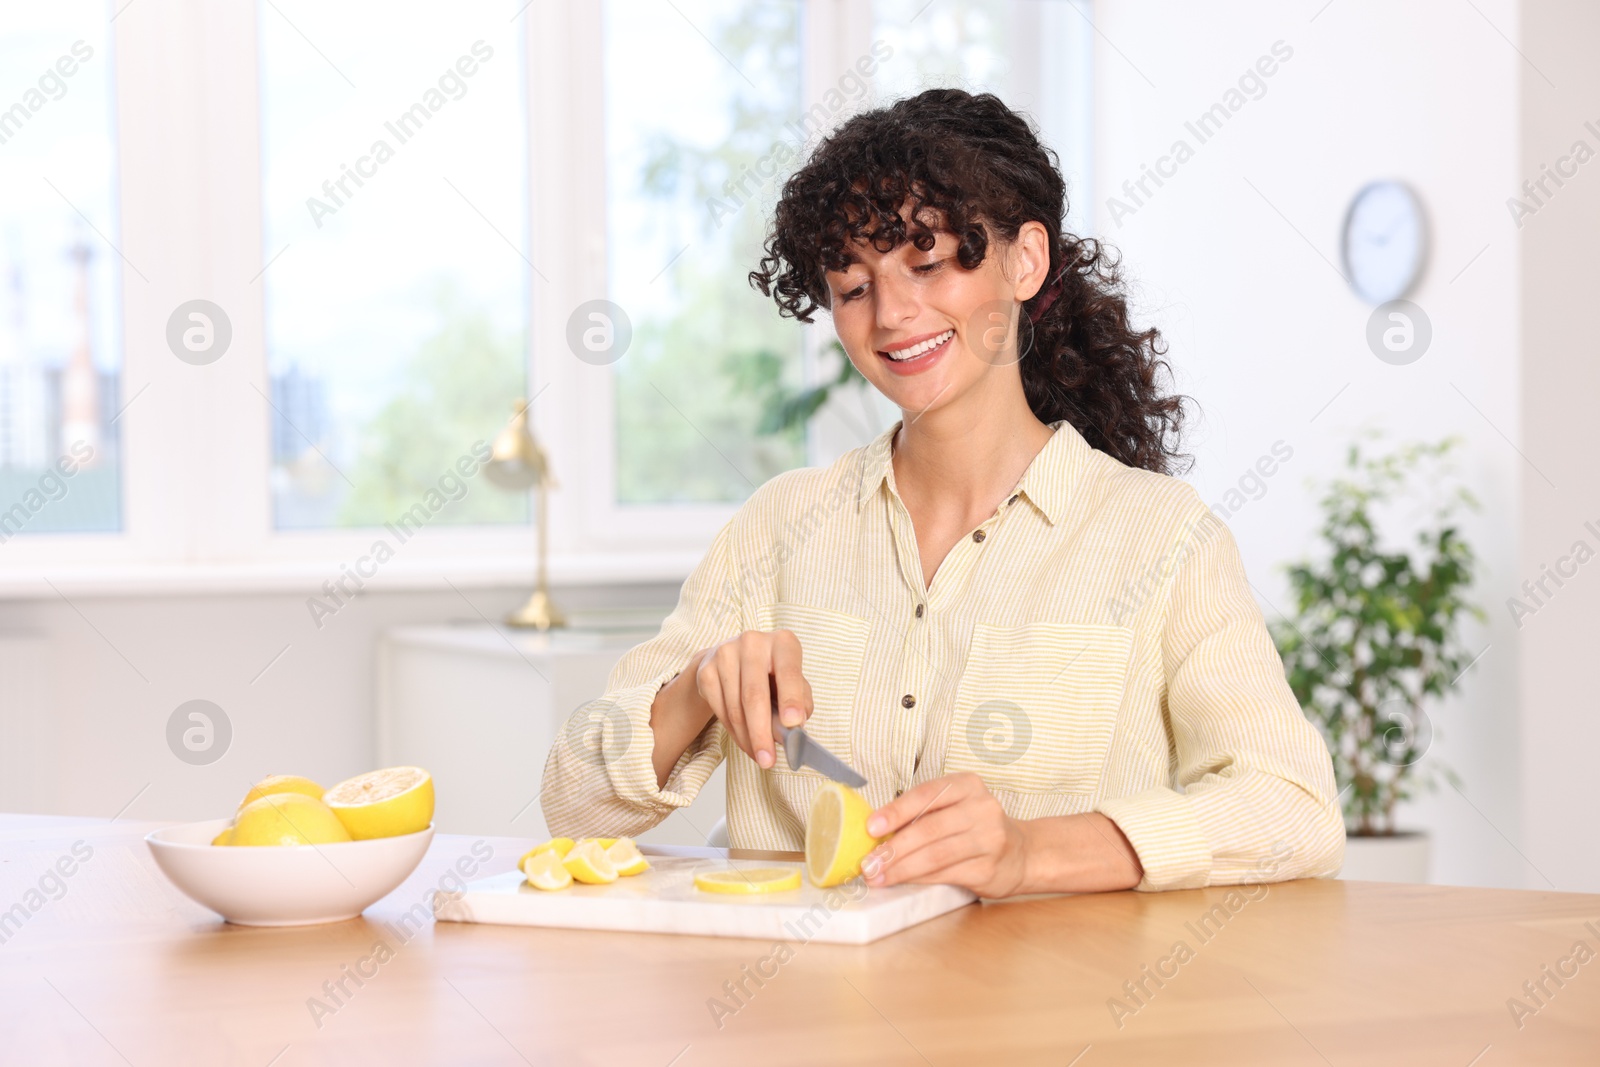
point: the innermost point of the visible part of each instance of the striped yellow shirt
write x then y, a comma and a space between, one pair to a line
1092, 646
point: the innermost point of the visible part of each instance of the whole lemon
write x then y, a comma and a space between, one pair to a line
282, 783
287, 819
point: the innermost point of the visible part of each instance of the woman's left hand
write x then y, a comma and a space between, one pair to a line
950, 830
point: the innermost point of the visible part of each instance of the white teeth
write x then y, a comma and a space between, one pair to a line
916, 350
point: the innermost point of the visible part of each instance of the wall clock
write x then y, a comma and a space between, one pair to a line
1385, 242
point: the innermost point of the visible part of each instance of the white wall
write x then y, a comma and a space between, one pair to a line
1561, 379
1234, 259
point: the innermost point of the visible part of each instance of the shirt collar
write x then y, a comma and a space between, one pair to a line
1046, 484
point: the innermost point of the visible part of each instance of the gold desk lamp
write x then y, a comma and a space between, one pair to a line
518, 463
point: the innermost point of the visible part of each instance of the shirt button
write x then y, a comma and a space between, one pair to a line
919, 611
908, 701
977, 535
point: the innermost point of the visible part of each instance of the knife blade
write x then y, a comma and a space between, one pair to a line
802, 751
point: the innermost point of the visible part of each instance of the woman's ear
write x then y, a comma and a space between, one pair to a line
1030, 259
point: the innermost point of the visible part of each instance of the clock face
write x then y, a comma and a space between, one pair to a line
1385, 241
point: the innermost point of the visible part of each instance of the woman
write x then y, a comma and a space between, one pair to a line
1038, 647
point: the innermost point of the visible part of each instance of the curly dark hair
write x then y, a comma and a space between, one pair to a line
980, 166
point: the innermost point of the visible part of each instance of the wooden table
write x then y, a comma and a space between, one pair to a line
121, 968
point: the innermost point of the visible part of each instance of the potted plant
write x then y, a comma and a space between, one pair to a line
836, 413
1376, 639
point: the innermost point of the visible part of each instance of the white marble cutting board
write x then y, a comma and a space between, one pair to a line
664, 900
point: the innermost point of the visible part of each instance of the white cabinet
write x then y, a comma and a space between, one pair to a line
479, 707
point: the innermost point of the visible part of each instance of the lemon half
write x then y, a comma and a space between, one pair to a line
758, 880
836, 835
386, 803
287, 819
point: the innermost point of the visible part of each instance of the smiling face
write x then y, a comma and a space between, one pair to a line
929, 334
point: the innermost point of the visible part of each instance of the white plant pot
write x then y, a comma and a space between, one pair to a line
1400, 857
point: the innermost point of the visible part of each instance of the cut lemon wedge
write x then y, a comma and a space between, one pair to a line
559, 845
222, 838
386, 803
756, 880
836, 835
544, 870
588, 863
625, 856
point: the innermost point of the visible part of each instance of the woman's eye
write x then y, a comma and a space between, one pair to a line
853, 294
928, 268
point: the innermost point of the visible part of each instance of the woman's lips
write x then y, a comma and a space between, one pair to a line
920, 363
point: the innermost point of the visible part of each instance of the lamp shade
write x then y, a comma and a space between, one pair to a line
517, 461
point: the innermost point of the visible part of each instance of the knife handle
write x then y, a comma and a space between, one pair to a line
790, 742
779, 731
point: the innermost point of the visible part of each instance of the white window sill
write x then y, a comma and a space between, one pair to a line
306, 577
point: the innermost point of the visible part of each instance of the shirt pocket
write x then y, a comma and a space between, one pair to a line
833, 646
1037, 707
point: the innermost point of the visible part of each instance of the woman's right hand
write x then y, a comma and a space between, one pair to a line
746, 678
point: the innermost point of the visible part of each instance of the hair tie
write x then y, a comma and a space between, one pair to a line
1051, 292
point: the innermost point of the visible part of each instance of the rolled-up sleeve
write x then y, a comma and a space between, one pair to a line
1253, 796
600, 779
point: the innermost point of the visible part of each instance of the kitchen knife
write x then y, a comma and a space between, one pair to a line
802, 751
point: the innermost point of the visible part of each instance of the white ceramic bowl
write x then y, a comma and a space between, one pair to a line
284, 885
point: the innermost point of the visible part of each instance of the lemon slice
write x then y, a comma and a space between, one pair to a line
287, 819
836, 835
544, 870
758, 880
625, 856
282, 783
559, 845
386, 803
222, 838
588, 863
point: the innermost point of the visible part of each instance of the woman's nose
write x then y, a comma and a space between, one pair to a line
897, 301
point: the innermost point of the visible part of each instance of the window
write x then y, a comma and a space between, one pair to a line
1034, 54
396, 295
681, 235
674, 420
60, 299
